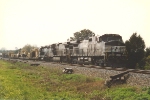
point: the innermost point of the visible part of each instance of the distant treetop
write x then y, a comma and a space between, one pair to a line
83, 34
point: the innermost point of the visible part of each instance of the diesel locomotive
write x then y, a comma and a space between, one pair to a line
104, 50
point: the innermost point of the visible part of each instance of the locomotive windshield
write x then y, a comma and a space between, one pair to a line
110, 37
114, 39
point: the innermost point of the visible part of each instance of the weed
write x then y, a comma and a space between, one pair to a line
24, 82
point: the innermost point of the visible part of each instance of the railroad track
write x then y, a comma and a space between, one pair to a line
31, 62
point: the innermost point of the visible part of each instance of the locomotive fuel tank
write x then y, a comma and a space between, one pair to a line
56, 59
84, 60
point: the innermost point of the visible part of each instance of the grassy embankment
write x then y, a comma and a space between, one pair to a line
23, 82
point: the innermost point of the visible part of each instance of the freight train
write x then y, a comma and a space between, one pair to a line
105, 50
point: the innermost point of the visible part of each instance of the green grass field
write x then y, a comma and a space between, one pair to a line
21, 81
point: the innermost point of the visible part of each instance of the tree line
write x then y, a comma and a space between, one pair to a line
138, 56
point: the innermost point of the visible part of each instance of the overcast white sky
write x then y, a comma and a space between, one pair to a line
43, 22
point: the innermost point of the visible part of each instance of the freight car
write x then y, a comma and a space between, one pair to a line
32, 55
105, 50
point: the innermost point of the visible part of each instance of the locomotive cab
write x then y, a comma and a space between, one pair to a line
43, 51
114, 50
